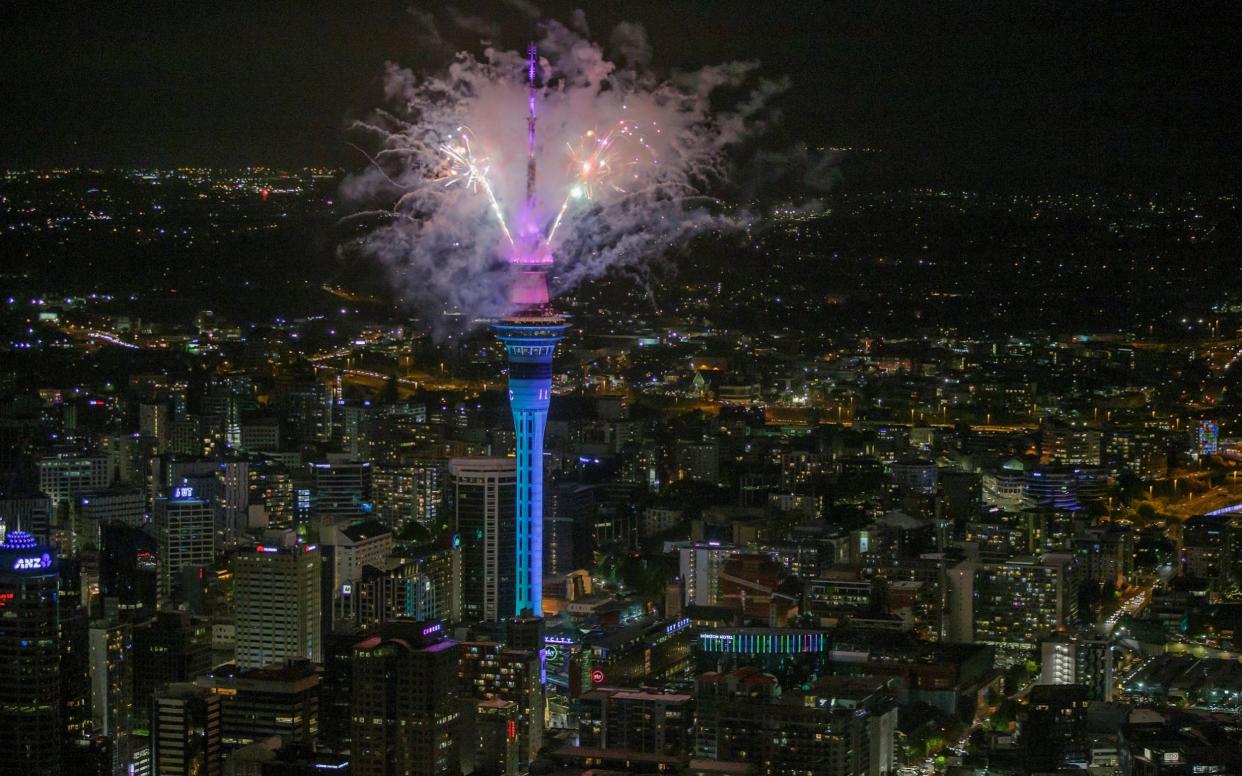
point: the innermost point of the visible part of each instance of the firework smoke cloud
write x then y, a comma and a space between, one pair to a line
625, 162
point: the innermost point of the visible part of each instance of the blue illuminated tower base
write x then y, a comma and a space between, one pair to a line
530, 341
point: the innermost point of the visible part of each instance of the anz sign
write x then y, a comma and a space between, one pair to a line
33, 562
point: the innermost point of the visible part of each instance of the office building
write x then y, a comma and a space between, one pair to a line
496, 748
277, 602
406, 714
339, 486
489, 670
699, 566
481, 499
185, 536
840, 727
260, 703
1019, 601
112, 689
1054, 730
31, 513
636, 721
30, 675
1079, 659
185, 732
64, 479
172, 647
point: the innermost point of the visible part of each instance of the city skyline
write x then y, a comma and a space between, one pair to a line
694, 388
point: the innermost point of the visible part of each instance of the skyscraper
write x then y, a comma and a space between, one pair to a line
258, 704
405, 702
30, 724
277, 602
481, 498
496, 738
491, 671
185, 534
172, 647
185, 732
112, 688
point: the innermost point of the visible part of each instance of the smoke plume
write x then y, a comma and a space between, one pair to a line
441, 238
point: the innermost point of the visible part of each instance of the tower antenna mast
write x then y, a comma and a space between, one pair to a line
531, 64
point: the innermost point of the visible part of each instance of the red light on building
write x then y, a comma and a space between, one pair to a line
6, 597
512, 730
597, 677
264, 192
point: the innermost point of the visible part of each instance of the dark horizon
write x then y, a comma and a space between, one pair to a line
1053, 95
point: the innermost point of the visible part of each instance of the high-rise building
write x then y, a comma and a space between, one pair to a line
1018, 601
915, 475
488, 671
838, 728
496, 737
1079, 659
119, 504
272, 501
63, 479
636, 721
1205, 546
309, 409
567, 528
112, 689
409, 491
75, 686
185, 536
258, 704
481, 498
960, 495
336, 688
440, 564
698, 461
30, 679
1105, 554
356, 545
153, 425
339, 486
700, 565
1054, 730
185, 732
172, 647
233, 496
259, 435
353, 424
277, 602
405, 702
1065, 444
31, 513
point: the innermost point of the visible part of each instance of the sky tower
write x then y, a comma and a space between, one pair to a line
530, 335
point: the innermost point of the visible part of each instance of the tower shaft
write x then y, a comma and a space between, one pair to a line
530, 343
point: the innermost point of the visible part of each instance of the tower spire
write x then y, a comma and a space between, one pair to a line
531, 60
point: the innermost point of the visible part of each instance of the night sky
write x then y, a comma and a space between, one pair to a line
1067, 95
